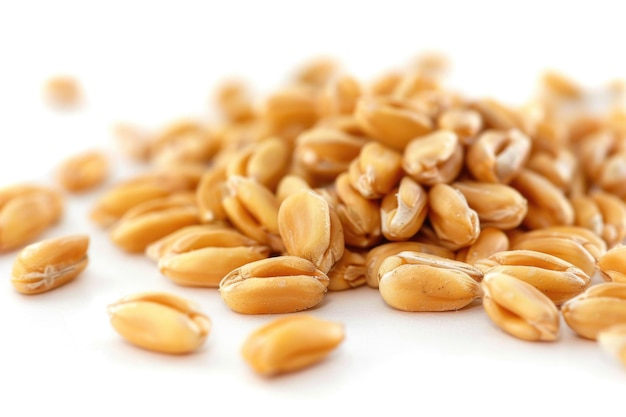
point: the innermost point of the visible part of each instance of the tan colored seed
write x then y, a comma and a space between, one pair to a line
437, 285
392, 122
46, 265
547, 205
234, 102
317, 72
63, 91
434, 158
83, 172
289, 112
132, 141
612, 265
498, 156
283, 284
597, 309
165, 246
451, 217
560, 86
339, 96
207, 266
267, 162
209, 194
587, 214
569, 250
376, 171
184, 141
588, 239
253, 209
311, 229
613, 341
496, 115
348, 272
152, 220
558, 167
324, 153
556, 278
490, 241
120, 198
465, 123
160, 322
520, 309
25, 212
377, 255
497, 205
290, 184
613, 215
403, 210
359, 216
291, 343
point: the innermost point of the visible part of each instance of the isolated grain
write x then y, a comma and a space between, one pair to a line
160, 322
83, 171
291, 343
49, 264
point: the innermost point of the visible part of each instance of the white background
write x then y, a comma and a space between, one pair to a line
150, 63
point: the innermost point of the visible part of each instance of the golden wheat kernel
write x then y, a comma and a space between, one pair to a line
284, 284
520, 309
291, 343
25, 212
451, 217
612, 265
160, 322
434, 158
83, 171
311, 229
63, 91
425, 287
50, 263
596, 310
378, 254
392, 122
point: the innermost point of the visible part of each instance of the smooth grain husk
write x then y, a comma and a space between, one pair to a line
49, 264
392, 122
612, 265
567, 249
205, 267
414, 287
490, 241
597, 309
311, 229
160, 322
377, 255
135, 234
83, 171
291, 343
497, 205
556, 278
520, 309
284, 284
165, 246
547, 205
26, 211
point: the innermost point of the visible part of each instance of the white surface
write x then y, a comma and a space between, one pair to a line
150, 64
